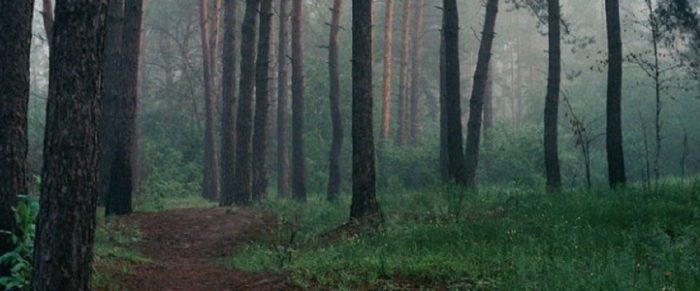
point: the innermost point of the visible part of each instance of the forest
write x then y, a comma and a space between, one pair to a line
349, 145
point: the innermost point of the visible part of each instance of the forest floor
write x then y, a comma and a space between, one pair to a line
183, 249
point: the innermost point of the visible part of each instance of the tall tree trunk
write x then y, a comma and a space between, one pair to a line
262, 102
47, 16
444, 157
455, 155
365, 206
337, 141
616, 159
416, 77
402, 118
63, 247
477, 99
488, 106
215, 41
551, 105
121, 181
298, 163
210, 190
228, 95
388, 55
282, 102
15, 36
244, 119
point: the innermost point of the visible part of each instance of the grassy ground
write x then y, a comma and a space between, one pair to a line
499, 239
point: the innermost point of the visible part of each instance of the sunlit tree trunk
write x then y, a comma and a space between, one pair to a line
298, 163
455, 155
416, 77
402, 117
334, 79
210, 188
262, 102
283, 101
616, 160
388, 55
228, 95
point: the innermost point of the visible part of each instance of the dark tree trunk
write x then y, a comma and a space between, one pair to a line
122, 168
47, 16
477, 98
337, 141
455, 155
364, 200
298, 163
262, 102
210, 189
66, 226
488, 107
15, 36
388, 58
402, 116
444, 157
416, 77
551, 105
228, 95
282, 102
244, 119
616, 159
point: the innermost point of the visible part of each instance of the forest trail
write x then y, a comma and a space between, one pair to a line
186, 248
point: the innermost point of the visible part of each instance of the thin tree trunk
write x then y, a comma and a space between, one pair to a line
488, 106
215, 40
63, 247
455, 155
262, 102
551, 107
653, 23
402, 122
334, 79
282, 102
244, 119
364, 200
444, 157
47, 16
416, 77
477, 98
615, 153
211, 163
16, 36
298, 163
388, 55
228, 114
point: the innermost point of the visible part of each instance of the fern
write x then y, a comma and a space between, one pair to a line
20, 258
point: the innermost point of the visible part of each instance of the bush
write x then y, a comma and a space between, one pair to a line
20, 259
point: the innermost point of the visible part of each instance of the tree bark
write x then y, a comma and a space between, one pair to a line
477, 98
488, 106
615, 153
444, 157
298, 163
402, 122
244, 119
66, 225
334, 79
262, 102
47, 16
455, 155
215, 41
210, 189
365, 206
551, 106
416, 72
15, 36
388, 55
228, 114
282, 102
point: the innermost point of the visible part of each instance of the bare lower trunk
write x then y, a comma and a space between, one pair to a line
551, 107
455, 155
210, 189
282, 102
262, 102
337, 142
298, 163
228, 115
615, 153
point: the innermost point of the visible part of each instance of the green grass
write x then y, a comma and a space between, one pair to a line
498, 239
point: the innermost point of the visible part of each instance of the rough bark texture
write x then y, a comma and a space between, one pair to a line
15, 37
388, 55
444, 160
551, 105
298, 163
228, 95
416, 77
616, 159
455, 155
402, 116
210, 189
244, 119
262, 102
283, 101
477, 98
364, 200
334, 81
66, 226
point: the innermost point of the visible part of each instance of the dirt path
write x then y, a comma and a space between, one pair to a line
186, 247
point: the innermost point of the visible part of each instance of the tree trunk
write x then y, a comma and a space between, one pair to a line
15, 36
282, 102
444, 158
364, 200
210, 189
616, 160
455, 155
63, 247
477, 98
551, 105
416, 77
337, 141
388, 55
488, 106
298, 163
262, 102
402, 122
215, 41
228, 95
121, 175
47, 16
244, 119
